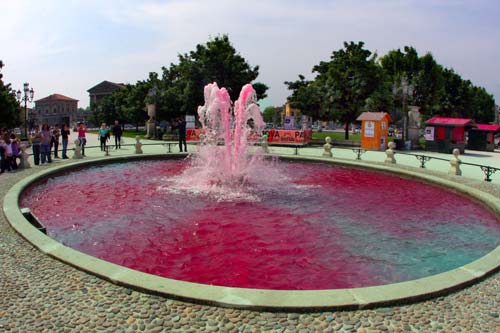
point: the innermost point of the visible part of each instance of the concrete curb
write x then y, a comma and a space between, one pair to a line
275, 300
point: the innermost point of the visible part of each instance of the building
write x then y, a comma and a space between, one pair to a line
374, 130
483, 137
54, 109
103, 89
445, 134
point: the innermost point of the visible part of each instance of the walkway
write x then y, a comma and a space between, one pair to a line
40, 294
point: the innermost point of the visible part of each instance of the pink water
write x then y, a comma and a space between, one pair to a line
321, 227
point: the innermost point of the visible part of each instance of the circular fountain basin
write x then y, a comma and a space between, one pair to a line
329, 236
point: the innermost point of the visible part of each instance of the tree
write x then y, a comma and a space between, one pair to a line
269, 114
9, 106
306, 96
182, 84
348, 80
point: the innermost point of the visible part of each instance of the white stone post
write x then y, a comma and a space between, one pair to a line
24, 164
390, 153
327, 147
138, 145
455, 163
264, 145
77, 154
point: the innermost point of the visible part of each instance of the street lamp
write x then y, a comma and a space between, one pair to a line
28, 96
407, 91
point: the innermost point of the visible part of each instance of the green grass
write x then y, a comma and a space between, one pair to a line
133, 133
335, 136
127, 133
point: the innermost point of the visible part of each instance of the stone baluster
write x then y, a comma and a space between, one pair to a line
390, 153
138, 145
24, 164
455, 163
77, 154
327, 147
264, 144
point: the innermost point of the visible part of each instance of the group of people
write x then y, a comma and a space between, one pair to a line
105, 134
9, 151
45, 142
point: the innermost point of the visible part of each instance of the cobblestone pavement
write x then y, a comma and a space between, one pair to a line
40, 294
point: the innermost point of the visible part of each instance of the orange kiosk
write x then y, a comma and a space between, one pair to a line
374, 130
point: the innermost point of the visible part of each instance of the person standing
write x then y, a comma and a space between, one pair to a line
36, 141
56, 133
65, 137
5, 155
81, 137
117, 133
45, 146
181, 127
103, 136
14, 144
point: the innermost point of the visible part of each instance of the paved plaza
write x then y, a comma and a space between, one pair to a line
41, 294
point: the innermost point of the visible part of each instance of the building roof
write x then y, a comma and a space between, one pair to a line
488, 128
453, 122
56, 97
105, 87
373, 116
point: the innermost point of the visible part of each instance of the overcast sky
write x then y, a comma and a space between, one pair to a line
69, 46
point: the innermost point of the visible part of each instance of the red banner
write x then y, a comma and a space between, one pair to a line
193, 134
294, 137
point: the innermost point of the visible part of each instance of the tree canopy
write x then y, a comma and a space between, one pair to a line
180, 85
354, 80
9, 106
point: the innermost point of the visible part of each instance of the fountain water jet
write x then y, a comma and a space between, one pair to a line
224, 165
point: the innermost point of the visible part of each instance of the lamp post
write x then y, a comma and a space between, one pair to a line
407, 91
28, 96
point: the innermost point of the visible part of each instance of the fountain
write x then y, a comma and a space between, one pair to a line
223, 165
229, 217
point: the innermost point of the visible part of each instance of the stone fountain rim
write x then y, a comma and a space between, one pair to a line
259, 299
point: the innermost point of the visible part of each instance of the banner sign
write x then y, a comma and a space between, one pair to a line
193, 134
296, 137
289, 123
429, 133
369, 129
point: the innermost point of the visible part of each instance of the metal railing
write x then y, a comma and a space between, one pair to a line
358, 153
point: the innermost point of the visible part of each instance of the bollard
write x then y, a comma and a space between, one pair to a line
455, 163
24, 164
264, 145
327, 147
77, 154
390, 153
138, 145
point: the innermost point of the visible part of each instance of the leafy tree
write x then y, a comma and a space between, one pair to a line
269, 114
306, 96
348, 80
9, 106
216, 61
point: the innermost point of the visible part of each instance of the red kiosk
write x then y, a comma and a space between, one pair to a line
483, 137
445, 134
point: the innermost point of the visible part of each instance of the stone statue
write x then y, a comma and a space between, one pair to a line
327, 147
24, 164
264, 145
455, 163
138, 145
390, 153
77, 154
